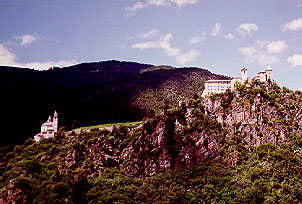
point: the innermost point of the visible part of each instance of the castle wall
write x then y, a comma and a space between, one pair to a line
220, 86
216, 86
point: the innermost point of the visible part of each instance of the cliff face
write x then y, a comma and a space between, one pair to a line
219, 126
224, 127
262, 113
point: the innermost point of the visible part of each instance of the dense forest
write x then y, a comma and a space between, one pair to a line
90, 94
243, 146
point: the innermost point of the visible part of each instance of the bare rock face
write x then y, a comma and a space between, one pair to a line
15, 194
11, 193
173, 139
200, 129
258, 119
170, 141
262, 113
219, 126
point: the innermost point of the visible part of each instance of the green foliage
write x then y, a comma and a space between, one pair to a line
91, 93
184, 83
127, 124
268, 174
124, 166
4, 150
208, 182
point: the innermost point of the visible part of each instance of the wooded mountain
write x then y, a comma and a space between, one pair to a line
90, 94
240, 146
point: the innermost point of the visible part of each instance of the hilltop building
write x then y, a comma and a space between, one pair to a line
49, 128
220, 86
264, 76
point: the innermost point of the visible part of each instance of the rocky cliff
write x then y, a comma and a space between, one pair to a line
227, 127
218, 126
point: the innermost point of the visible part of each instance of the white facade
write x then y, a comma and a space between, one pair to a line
244, 74
264, 76
216, 86
49, 128
220, 86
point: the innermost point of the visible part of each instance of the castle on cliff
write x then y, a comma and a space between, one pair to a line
220, 86
49, 128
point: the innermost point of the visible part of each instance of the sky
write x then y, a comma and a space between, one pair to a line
219, 35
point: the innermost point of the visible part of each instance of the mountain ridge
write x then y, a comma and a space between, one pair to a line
90, 94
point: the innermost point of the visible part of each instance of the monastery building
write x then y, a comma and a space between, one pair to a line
220, 86
49, 128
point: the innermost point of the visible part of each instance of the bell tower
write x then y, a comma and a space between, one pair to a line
269, 73
55, 121
244, 74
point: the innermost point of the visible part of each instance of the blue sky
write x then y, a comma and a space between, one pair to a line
221, 36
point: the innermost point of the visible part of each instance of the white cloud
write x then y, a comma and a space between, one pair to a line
26, 40
247, 29
295, 60
188, 57
258, 53
276, 47
48, 64
249, 51
293, 25
264, 59
150, 34
229, 36
198, 38
8, 58
163, 42
261, 43
136, 7
140, 5
216, 29
183, 2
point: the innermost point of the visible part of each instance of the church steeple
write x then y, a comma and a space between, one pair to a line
55, 121
49, 128
244, 74
269, 73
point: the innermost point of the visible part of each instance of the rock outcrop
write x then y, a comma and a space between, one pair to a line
199, 129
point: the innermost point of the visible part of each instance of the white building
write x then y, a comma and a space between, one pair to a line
220, 86
49, 128
264, 76
216, 86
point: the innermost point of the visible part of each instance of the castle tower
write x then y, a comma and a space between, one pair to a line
49, 119
269, 73
55, 121
244, 74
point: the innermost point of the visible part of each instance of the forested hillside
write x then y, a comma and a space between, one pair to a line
236, 147
90, 94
